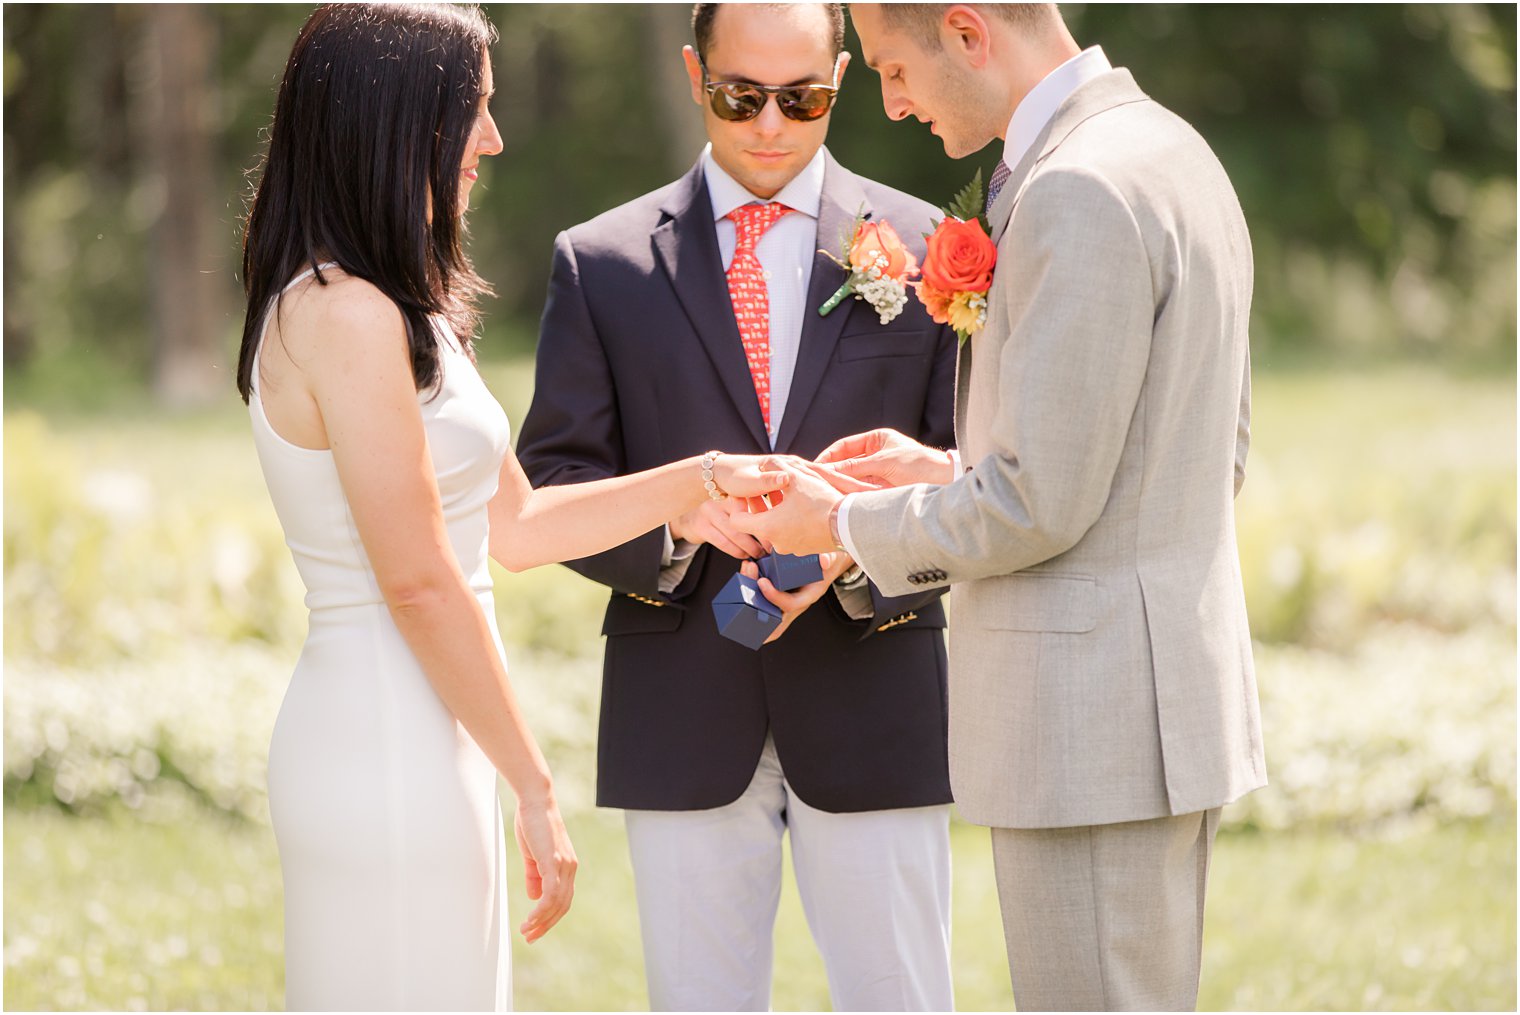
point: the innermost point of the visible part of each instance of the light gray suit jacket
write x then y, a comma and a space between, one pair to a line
1100, 660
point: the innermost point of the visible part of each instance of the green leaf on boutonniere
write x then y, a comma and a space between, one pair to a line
843, 260
967, 204
848, 240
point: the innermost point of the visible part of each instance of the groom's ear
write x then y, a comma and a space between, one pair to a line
964, 31
693, 72
841, 64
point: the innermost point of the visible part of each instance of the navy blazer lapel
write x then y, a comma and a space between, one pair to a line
843, 200
686, 244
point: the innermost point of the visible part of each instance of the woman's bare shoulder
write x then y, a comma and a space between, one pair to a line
342, 312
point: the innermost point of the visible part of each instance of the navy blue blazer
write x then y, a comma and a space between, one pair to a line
639, 364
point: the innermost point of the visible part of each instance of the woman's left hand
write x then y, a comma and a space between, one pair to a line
549, 865
748, 476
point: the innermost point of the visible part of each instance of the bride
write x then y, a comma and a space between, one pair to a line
389, 465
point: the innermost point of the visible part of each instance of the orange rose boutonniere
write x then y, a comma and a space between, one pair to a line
880, 268
958, 265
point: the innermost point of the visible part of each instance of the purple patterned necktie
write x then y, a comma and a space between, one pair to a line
999, 177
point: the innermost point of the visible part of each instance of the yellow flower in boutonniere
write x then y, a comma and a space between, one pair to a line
967, 312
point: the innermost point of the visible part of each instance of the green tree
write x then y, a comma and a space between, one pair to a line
1373, 148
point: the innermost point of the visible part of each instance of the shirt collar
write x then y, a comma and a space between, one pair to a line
803, 193
1045, 98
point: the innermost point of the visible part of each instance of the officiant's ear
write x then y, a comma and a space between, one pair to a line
841, 62
694, 73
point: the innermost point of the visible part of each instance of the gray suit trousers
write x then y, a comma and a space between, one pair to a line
1105, 917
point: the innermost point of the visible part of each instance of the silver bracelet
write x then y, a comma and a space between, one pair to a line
709, 460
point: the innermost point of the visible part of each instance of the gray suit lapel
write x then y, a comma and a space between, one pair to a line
1113, 88
686, 245
962, 390
843, 199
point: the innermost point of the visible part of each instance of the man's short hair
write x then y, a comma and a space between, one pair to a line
921, 21
703, 15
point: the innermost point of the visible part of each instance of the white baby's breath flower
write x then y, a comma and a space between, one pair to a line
887, 296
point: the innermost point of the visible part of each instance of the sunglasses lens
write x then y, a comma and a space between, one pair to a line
736, 102
805, 103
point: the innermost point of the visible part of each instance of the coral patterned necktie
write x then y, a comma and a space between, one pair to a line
751, 299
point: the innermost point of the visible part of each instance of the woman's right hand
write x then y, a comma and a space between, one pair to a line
549, 865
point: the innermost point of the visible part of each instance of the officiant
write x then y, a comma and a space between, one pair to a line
687, 321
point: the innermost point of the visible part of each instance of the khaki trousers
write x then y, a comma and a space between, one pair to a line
1105, 917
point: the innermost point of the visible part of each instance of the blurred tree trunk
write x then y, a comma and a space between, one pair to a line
17, 346
21, 99
98, 105
180, 47
669, 30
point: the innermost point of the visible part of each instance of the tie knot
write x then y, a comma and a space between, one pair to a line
752, 220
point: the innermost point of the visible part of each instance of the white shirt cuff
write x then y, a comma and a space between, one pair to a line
856, 600
844, 532
675, 561
955, 464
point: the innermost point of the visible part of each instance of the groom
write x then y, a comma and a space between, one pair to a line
1102, 699
835, 733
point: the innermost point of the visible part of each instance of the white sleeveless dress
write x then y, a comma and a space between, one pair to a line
385, 810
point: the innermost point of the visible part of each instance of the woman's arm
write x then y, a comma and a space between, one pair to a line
530, 528
354, 358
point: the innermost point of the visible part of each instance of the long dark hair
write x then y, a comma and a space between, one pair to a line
373, 116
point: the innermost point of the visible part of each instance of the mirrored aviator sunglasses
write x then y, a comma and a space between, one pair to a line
738, 101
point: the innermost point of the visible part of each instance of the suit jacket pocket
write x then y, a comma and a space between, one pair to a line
1062, 603
627, 615
878, 341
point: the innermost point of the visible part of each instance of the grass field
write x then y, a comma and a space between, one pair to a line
151, 617
104, 913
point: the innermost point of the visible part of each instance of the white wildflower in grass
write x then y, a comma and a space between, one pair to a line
147, 734
145, 662
1412, 723
161, 735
